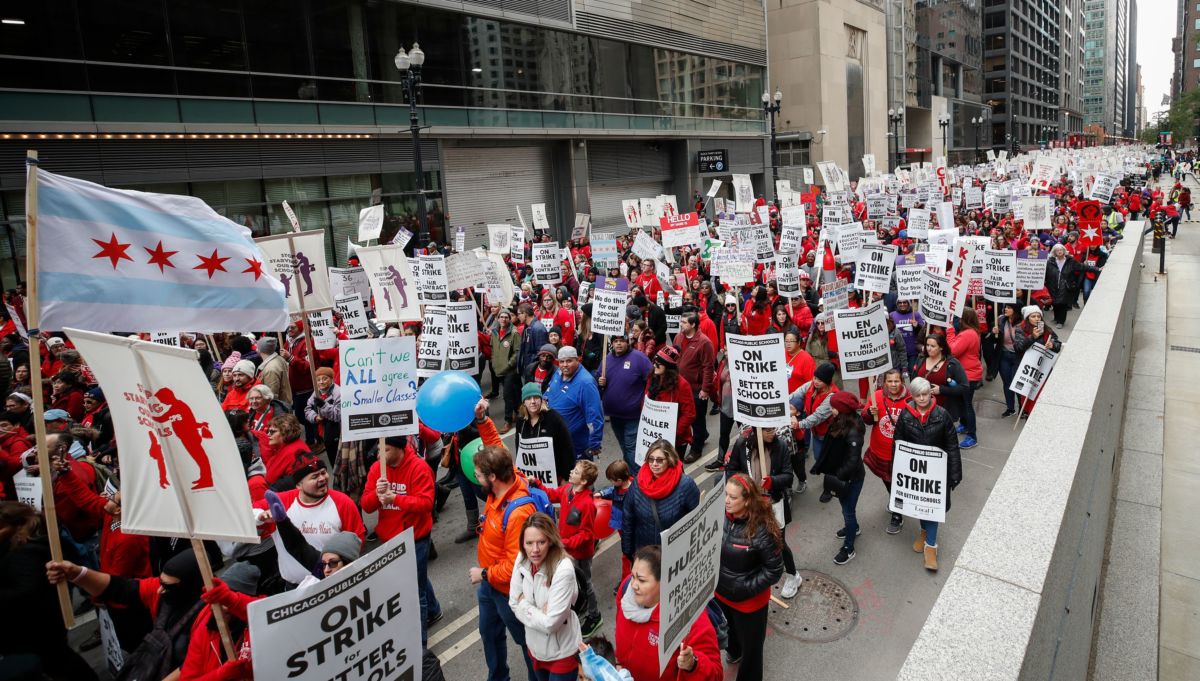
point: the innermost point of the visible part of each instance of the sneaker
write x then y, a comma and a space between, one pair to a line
1024, 415
714, 466
1007, 413
968, 442
800, 489
590, 628
730, 659
1060, 326
844, 556
960, 429
791, 586
896, 523
841, 534
714, 410
825, 497
434, 619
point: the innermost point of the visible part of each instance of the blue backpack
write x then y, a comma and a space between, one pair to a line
537, 496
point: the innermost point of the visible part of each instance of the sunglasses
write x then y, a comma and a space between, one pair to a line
336, 562
656, 459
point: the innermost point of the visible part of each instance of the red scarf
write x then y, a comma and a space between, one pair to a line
660, 487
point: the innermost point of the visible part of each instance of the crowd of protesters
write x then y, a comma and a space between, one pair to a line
552, 377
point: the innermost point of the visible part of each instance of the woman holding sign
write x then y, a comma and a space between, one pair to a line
1033, 330
924, 422
537, 423
666, 385
751, 561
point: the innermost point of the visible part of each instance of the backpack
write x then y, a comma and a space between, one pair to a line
537, 496
155, 658
715, 617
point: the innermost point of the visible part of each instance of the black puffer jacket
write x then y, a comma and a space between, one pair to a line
936, 431
841, 456
781, 462
749, 566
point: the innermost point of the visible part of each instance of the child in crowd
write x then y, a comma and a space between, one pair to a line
600, 660
619, 475
577, 527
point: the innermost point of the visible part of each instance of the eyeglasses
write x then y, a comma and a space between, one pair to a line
327, 564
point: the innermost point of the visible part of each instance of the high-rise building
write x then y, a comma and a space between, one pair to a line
1107, 75
1129, 106
573, 103
1071, 40
1022, 71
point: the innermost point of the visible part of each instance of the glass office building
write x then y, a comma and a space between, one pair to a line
246, 103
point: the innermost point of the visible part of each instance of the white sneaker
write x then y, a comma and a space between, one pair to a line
791, 586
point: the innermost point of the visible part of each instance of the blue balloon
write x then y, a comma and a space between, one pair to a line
446, 401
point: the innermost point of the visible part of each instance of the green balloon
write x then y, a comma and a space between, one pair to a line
466, 459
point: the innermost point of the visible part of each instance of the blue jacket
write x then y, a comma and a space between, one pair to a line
626, 384
617, 497
533, 338
577, 401
638, 527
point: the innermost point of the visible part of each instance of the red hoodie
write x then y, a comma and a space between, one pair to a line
411, 480
579, 532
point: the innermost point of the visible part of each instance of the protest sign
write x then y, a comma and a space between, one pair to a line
758, 372
649, 211
463, 270
965, 252
713, 188
171, 339
935, 298
391, 281
918, 223
937, 258
831, 175
734, 266
1044, 173
793, 229
680, 230
743, 192
1031, 374
545, 263
609, 301
873, 272
354, 315
646, 248
836, 294
850, 239
535, 458
668, 207
403, 236
462, 337
113, 655
862, 337
17, 320
297, 259
974, 198
345, 281
631, 209
582, 222
760, 238
908, 276
659, 420
877, 206
433, 286
496, 279
320, 325
27, 488
919, 484
999, 275
431, 355
516, 243
604, 252
787, 274
370, 223
180, 472
498, 236
945, 215
540, 222
363, 622
1037, 212
1103, 186
1031, 269
691, 563
378, 387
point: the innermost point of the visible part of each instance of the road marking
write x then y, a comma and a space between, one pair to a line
473, 637
980, 463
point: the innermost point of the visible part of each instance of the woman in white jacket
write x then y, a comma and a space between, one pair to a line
541, 592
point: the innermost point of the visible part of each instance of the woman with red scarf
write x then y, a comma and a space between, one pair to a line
881, 411
660, 496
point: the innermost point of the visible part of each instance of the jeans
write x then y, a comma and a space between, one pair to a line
494, 617
591, 608
1060, 312
1008, 370
747, 629
814, 443
700, 425
723, 436
470, 491
931, 529
511, 390
1173, 223
546, 675
429, 602
626, 431
968, 415
849, 500
1088, 285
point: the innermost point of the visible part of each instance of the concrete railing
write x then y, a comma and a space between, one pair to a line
1021, 601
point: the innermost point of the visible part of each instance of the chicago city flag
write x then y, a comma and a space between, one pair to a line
122, 260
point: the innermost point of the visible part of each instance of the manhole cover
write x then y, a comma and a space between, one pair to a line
823, 611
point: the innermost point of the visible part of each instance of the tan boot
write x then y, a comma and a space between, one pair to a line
919, 544
931, 558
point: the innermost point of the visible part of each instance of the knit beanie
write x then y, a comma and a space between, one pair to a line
231, 361
245, 367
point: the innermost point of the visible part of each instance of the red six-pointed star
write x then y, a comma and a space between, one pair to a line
211, 263
160, 257
113, 250
255, 267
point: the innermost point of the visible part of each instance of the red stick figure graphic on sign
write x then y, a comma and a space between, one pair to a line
189, 432
156, 453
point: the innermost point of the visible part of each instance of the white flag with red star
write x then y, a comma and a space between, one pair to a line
122, 260
181, 475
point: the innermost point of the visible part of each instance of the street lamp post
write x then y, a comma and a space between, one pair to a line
895, 115
410, 73
944, 124
977, 121
769, 110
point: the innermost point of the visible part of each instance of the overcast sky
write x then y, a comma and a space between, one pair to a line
1155, 28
